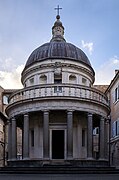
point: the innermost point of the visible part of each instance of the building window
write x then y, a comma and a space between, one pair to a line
57, 81
117, 93
115, 128
83, 137
118, 127
32, 138
5, 99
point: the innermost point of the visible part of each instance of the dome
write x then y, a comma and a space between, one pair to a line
57, 49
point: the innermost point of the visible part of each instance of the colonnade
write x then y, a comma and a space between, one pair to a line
12, 137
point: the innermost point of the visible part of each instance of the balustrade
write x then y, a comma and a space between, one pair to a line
65, 90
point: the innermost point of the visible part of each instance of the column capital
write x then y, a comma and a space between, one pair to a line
26, 114
26, 117
102, 118
89, 114
45, 112
9, 121
13, 118
70, 111
107, 121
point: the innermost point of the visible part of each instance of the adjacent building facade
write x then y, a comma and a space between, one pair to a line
113, 96
4, 95
58, 110
3, 133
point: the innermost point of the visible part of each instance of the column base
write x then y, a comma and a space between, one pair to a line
90, 158
46, 158
13, 159
69, 158
26, 158
102, 159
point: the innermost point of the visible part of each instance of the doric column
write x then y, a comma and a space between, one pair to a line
9, 140
102, 139
14, 139
70, 134
46, 134
26, 137
90, 137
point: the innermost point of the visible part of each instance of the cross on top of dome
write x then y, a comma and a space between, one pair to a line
58, 29
58, 10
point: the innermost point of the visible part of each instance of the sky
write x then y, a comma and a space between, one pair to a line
91, 25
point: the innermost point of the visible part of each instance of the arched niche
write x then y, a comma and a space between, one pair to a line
72, 79
43, 79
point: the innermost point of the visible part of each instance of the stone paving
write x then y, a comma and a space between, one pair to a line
59, 177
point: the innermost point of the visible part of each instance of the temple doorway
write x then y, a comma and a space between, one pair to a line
58, 144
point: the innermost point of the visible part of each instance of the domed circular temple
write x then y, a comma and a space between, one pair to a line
61, 116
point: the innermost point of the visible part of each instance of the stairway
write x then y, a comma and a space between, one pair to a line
59, 169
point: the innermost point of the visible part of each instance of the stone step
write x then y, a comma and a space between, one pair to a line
58, 170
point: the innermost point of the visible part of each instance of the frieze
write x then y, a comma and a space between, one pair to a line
25, 107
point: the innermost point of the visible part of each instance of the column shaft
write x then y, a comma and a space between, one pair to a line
46, 134
14, 139
9, 140
69, 134
102, 139
90, 137
106, 139
26, 137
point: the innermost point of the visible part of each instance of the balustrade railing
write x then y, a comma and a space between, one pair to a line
63, 90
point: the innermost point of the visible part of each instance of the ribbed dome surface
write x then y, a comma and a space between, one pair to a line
57, 49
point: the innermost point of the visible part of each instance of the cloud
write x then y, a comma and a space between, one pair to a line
106, 72
10, 74
7, 64
88, 46
11, 79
